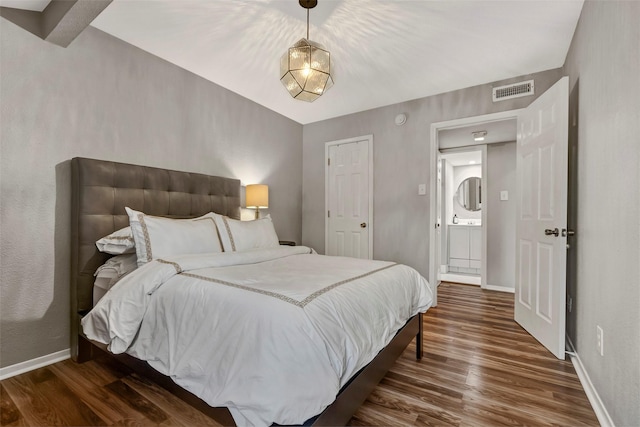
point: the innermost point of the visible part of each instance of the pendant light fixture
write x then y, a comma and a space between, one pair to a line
305, 69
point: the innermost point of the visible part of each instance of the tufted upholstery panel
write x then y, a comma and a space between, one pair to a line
101, 190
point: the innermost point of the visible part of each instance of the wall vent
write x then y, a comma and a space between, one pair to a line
515, 90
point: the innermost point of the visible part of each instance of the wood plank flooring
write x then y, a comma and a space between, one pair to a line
479, 369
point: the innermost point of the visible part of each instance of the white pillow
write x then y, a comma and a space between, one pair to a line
157, 237
237, 236
117, 243
110, 272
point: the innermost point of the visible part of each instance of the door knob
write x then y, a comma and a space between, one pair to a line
363, 225
549, 232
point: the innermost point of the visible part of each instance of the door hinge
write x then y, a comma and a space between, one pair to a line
329, 161
328, 214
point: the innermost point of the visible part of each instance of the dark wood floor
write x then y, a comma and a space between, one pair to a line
480, 369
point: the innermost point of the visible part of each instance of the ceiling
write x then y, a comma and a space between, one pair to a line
497, 131
465, 158
383, 51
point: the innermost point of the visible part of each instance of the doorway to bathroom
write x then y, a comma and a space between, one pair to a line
477, 166
475, 192
461, 195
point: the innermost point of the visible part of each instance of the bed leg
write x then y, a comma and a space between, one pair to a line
419, 338
85, 350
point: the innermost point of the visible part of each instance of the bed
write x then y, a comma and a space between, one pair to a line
100, 192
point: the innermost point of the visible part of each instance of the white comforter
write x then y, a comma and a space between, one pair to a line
271, 334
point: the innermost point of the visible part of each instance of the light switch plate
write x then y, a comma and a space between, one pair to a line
504, 195
422, 189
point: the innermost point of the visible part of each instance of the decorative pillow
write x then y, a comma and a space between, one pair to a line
237, 236
157, 237
117, 243
110, 272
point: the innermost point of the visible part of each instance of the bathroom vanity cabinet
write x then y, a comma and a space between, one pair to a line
465, 246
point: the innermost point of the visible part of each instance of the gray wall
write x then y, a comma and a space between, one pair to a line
603, 65
105, 99
501, 220
401, 162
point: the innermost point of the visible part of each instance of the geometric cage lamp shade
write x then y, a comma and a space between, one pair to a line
257, 196
305, 68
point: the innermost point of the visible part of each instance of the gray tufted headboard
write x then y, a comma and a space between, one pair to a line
100, 191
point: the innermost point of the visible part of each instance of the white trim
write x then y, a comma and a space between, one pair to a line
499, 289
596, 403
484, 215
433, 214
30, 365
461, 278
369, 139
433, 148
440, 226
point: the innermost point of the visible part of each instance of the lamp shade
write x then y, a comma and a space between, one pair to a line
305, 70
257, 196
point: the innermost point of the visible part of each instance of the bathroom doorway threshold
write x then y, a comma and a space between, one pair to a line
467, 279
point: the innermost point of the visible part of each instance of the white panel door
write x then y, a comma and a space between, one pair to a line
348, 200
541, 251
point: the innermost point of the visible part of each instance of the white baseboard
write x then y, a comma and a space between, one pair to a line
30, 365
499, 288
460, 278
596, 403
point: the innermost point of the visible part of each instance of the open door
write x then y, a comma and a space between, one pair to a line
541, 242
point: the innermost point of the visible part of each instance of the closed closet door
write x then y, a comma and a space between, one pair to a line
348, 199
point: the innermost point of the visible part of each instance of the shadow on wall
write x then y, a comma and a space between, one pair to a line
572, 216
62, 244
48, 333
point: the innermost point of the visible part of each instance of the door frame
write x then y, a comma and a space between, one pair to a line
434, 146
327, 145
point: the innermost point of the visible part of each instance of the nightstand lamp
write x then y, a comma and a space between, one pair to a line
257, 196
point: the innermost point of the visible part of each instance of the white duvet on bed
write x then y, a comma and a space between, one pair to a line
271, 334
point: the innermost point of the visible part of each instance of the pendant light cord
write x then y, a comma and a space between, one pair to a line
307, 24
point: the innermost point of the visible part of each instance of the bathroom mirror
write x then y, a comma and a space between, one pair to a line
469, 194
